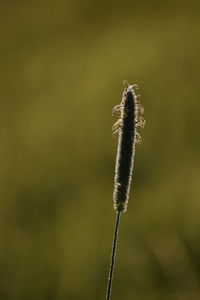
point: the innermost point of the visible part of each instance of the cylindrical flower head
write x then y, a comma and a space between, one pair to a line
126, 127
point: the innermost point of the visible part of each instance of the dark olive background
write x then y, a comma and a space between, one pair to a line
62, 69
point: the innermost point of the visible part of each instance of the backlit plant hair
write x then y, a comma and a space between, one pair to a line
126, 126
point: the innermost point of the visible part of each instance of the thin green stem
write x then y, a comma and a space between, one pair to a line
113, 253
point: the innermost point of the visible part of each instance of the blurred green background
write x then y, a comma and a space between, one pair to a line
62, 68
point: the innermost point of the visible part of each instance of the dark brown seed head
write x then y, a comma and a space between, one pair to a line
126, 127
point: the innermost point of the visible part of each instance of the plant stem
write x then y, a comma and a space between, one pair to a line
113, 253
